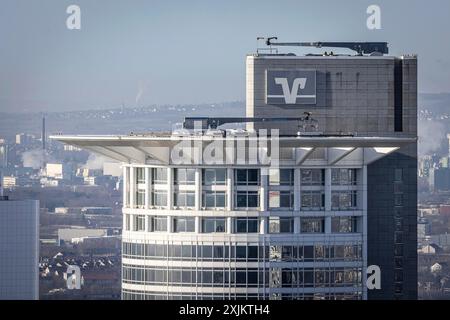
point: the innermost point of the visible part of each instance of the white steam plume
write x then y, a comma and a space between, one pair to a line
432, 137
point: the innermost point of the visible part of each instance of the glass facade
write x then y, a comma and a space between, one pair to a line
294, 203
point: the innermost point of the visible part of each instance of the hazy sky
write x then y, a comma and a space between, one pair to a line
146, 52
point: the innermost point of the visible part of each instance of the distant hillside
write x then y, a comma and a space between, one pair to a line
437, 103
113, 121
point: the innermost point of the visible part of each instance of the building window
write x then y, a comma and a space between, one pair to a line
312, 200
213, 199
343, 200
398, 175
312, 225
312, 177
398, 199
343, 224
398, 237
213, 225
158, 224
246, 225
281, 199
127, 222
247, 177
281, 177
281, 225
159, 175
140, 175
159, 198
138, 223
184, 199
343, 177
247, 199
184, 176
140, 198
184, 224
213, 177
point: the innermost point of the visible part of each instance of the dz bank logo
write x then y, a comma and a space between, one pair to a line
291, 87
73, 278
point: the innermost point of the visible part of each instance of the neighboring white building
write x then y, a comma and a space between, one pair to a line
10, 181
19, 249
58, 171
69, 234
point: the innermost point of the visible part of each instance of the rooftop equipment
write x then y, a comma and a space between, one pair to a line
206, 123
361, 48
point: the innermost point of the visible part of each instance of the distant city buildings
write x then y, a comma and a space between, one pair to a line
439, 179
25, 139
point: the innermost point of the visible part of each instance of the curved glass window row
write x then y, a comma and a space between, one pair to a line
344, 224
230, 253
243, 277
149, 295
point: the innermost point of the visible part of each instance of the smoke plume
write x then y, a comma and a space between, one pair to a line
432, 137
33, 158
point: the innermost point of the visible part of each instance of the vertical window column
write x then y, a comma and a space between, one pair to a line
264, 189
148, 187
364, 227
125, 189
198, 189
131, 221
132, 187
197, 226
327, 199
296, 224
169, 224
229, 225
169, 188
263, 225
297, 196
230, 195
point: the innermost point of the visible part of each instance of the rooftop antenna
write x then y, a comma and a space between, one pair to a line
267, 41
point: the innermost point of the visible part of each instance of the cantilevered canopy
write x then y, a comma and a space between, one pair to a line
302, 150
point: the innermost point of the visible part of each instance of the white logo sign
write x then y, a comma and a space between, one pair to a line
291, 87
290, 96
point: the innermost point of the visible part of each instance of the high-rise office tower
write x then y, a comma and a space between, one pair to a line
291, 208
19, 249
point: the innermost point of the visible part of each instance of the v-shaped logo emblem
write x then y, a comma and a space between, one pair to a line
290, 95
